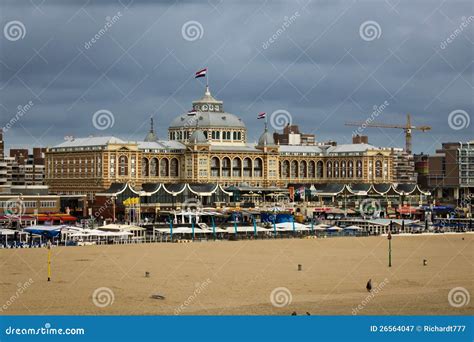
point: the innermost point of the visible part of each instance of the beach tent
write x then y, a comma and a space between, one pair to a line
288, 226
321, 227
48, 231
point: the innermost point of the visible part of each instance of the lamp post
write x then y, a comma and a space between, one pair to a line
389, 237
49, 260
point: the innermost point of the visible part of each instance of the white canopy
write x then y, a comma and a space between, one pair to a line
288, 226
334, 229
353, 228
120, 228
245, 229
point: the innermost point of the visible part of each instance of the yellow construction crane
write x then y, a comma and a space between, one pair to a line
408, 128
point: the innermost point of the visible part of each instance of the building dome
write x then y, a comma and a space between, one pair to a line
266, 139
197, 137
210, 113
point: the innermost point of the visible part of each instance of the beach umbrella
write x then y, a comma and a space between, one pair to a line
274, 227
312, 226
192, 227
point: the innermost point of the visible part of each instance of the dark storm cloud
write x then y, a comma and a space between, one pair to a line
304, 57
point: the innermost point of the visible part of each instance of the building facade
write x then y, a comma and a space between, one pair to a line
209, 147
451, 171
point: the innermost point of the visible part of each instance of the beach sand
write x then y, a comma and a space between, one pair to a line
237, 278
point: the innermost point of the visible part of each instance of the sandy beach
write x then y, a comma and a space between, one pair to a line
243, 277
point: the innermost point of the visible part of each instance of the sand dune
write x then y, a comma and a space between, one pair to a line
239, 277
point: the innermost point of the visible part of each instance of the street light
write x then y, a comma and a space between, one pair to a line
389, 237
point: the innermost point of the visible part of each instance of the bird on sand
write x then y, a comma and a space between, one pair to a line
369, 285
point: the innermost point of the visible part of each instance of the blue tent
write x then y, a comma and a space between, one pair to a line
48, 231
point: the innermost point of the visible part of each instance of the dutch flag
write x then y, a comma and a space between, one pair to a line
201, 73
261, 116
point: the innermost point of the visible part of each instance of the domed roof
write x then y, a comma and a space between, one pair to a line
210, 114
209, 119
197, 137
266, 139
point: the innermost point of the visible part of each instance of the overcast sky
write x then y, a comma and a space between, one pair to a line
323, 62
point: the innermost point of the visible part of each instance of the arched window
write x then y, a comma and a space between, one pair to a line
247, 167
164, 168
226, 167
285, 169
343, 169
174, 167
123, 166
329, 169
154, 167
359, 168
378, 169
145, 167
312, 169
303, 169
294, 169
336, 169
215, 167
350, 169
319, 169
258, 167
236, 167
